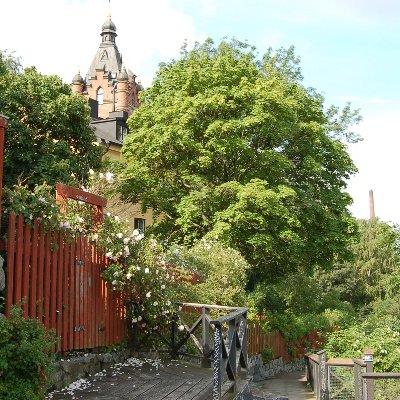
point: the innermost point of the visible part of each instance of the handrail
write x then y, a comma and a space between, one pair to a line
229, 348
381, 375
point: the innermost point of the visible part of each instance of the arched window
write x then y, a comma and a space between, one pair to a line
100, 95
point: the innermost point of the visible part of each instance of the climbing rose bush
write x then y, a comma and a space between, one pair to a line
138, 269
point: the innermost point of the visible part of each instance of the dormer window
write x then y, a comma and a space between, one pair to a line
100, 95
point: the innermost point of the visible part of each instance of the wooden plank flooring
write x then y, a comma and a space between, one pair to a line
143, 380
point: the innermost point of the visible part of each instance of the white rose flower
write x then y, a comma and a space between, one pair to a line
120, 235
181, 328
128, 276
162, 286
155, 304
109, 177
139, 318
134, 320
116, 218
148, 294
91, 172
67, 225
146, 270
113, 283
135, 232
126, 250
101, 175
168, 303
126, 240
109, 254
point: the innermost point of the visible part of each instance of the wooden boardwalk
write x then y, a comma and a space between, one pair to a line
140, 380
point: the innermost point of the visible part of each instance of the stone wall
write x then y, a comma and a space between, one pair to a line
260, 372
76, 367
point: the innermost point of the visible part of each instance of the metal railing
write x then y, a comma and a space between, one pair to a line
349, 379
218, 334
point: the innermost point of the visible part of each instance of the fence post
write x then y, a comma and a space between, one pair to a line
205, 360
368, 358
358, 381
174, 332
3, 127
323, 380
217, 367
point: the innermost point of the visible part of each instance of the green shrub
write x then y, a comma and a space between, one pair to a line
267, 355
25, 357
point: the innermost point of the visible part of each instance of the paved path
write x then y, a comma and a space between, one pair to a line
292, 385
149, 380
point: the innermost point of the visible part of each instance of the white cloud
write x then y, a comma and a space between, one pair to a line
60, 36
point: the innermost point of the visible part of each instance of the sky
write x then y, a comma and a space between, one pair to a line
349, 51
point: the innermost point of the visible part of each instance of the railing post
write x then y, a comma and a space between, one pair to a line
358, 381
323, 376
205, 360
217, 367
174, 332
368, 358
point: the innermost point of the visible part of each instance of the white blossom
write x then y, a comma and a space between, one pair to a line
139, 318
116, 218
134, 320
91, 172
114, 283
67, 225
109, 177
135, 232
155, 304
126, 240
128, 276
148, 294
146, 270
168, 302
120, 235
162, 286
109, 254
126, 249
181, 328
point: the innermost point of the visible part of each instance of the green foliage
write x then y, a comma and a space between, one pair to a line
222, 273
25, 357
48, 138
226, 145
267, 355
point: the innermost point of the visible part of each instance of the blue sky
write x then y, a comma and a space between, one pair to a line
349, 52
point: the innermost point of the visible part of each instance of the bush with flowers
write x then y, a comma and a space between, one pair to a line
136, 264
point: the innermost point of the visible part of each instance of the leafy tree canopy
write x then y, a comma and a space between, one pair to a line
227, 145
48, 138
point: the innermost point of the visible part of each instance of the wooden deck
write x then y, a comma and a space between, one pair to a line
143, 381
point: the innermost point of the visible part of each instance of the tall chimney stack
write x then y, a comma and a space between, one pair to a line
371, 205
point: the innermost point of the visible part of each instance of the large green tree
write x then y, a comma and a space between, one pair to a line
48, 138
227, 145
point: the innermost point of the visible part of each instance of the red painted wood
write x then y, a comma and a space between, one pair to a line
65, 307
68, 192
40, 280
33, 299
60, 286
72, 297
84, 297
78, 304
47, 271
10, 262
26, 269
90, 297
18, 262
54, 277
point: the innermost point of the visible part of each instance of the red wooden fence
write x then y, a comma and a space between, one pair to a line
58, 281
258, 340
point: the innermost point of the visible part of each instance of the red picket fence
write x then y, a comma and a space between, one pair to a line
58, 282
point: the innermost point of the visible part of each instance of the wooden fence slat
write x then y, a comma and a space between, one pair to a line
65, 305
54, 276
26, 269
60, 286
34, 271
72, 296
18, 265
47, 293
84, 299
40, 280
10, 263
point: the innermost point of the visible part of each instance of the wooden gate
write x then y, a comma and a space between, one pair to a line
58, 281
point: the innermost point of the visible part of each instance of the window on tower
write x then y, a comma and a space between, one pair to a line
100, 95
